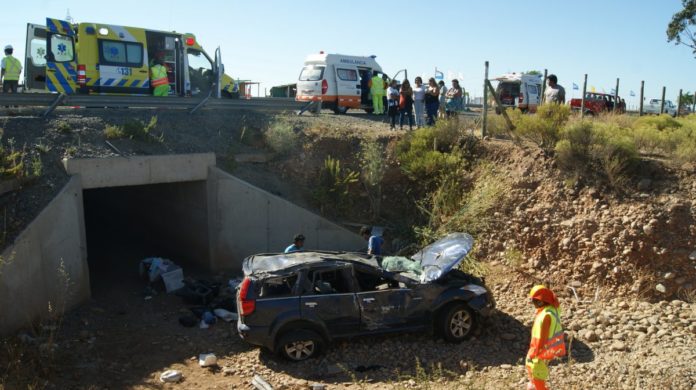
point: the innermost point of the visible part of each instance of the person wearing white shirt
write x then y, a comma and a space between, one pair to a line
419, 101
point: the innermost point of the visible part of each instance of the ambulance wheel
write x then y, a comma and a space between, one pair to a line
341, 110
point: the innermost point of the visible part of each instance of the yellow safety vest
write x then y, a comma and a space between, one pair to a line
158, 76
12, 68
377, 86
555, 342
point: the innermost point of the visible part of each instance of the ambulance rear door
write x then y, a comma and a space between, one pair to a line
35, 59
61, 68
347, 85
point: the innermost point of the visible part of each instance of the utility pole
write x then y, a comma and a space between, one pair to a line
616, 95
662, 105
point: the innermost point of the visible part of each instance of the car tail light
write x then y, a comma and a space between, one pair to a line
521, 97
82, 75
324, 86
246, 305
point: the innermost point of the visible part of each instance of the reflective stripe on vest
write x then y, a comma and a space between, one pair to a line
12, 68
555, 343
158, 74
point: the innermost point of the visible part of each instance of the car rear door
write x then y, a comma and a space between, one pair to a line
336, 308
309, 84
61, 67
35, 58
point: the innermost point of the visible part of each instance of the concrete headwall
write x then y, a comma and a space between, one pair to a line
31, 274
245, 220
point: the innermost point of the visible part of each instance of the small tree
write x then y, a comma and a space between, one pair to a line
679, 29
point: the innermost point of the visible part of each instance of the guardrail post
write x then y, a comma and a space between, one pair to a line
485, 103
642, 87
679, 101
53, 105
582, 101
616, 95
662, 105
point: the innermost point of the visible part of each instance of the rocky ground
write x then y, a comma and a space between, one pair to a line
624, 266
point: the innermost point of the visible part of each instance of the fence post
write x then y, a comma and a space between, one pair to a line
642, 87
543, 87
662, 105
616, 95
485, 103
679, 101
582, 101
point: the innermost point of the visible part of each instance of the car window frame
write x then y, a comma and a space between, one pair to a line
126, 64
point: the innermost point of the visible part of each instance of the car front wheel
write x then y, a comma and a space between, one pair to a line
299, 345
459, 323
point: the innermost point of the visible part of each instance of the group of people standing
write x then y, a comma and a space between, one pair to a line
426, 101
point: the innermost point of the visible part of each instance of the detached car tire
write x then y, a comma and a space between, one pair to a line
457, 323
299, 345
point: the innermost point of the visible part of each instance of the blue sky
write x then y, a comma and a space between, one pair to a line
267, 41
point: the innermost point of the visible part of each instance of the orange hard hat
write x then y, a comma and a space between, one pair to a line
544, 294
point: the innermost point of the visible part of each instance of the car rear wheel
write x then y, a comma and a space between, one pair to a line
458, 323
340, 110
299, 345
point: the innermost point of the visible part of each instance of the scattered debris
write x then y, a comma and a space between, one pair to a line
207, 360
260, 383
171, 376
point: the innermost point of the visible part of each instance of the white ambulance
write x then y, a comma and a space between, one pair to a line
519, 90
338, 81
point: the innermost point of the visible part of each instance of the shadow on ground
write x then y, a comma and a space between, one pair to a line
502, 339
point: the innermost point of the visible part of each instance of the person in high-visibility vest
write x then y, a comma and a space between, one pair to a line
158, 78
377, 91
548, 340
11, 68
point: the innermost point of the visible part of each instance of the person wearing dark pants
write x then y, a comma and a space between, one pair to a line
392, 104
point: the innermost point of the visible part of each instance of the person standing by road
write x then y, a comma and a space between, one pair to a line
454, 99
392, 103
419, 100
443, 99
406, 104
296, 246
11, 68
548, 340
377, 91
374, 243
432, 101
554, 92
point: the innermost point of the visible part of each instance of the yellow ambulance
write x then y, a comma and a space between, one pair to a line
97, 58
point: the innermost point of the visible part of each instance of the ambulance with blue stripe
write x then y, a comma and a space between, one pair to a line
96, 58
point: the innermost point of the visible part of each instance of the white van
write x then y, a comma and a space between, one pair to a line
518, 90
338, 81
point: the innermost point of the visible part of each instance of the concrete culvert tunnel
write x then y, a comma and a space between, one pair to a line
127, 224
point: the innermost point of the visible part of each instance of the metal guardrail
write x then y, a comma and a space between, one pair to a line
51, 101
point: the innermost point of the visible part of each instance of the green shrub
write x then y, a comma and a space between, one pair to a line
660, 122
373, 167
545, 126
429, 151
332, 192
616, 155
63, 126
114, 132
282, 138
572, 151
139, 130
460, 205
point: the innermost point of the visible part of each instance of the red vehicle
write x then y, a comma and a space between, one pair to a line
596, 103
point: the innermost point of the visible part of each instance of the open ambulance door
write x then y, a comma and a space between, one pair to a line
61, 61
219, 71
35, 59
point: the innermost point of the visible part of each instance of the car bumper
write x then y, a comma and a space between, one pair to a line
254, 335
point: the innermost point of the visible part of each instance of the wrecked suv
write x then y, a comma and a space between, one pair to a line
294, 304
